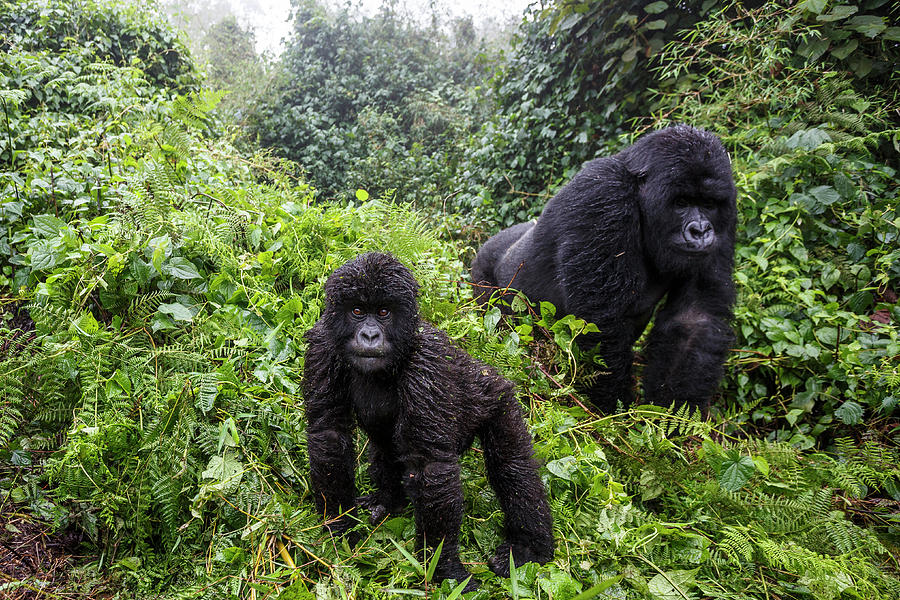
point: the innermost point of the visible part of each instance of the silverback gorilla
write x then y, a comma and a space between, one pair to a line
421, 401
654, 221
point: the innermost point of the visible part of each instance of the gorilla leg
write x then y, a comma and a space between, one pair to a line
332, 465
610, 384
436, 493
387, 475
485, 264
685, 353
512, 472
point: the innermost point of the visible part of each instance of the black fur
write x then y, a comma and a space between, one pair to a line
422, 401
654, 221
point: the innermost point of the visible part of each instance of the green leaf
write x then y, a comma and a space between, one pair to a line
432, 565
181, 268
177, 311
735, 470
44, 256
868, 25
513, 577
48, 226
599, 588
815, 6
793, 415
845, 186
808, 138
225, 472
800, 252
842, 52
654, 8
118, 384
672, 585
563, 467
547, 310
825, 194
855, 251
656, 25
859, 65
850, 413
813, 48
86, 324
409, 557
762, 465
827, 335
362, 195
838, 12
830, 275
491, 318
861, 301
459, 589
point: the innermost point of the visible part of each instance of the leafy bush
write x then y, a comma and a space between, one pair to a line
577, 72
121, 34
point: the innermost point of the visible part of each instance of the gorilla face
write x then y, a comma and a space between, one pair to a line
369, 346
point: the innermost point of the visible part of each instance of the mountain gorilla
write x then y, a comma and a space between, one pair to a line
655, 220
421, 401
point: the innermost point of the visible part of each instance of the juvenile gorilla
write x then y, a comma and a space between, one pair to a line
421, 401
655, 220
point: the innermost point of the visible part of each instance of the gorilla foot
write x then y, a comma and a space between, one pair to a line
499, 563
457, 572
379, 508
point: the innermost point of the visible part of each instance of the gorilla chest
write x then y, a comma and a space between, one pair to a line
644, 300
376, 407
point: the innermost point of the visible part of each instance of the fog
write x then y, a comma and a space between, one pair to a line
269, 19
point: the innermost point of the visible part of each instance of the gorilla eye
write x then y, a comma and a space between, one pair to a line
383, 312
357, 311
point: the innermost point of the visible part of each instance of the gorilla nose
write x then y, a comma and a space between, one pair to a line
369, 337
699, 234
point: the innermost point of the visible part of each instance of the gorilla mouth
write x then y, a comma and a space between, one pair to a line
368, 363
372, 353
694, 249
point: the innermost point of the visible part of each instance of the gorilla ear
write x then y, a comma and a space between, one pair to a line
639, 172
640, 175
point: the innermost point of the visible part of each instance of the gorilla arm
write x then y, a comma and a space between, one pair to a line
328, 432
688, 345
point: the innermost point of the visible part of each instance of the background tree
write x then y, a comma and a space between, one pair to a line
369, 101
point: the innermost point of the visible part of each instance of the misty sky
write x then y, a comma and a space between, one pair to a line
269, 17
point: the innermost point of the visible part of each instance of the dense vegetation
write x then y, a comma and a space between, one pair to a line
156, 280
377, 102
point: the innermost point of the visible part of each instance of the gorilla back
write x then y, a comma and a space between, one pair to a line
655, 220
422, 401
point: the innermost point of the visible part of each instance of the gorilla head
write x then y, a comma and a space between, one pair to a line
371, 308
686, 196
